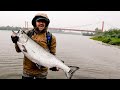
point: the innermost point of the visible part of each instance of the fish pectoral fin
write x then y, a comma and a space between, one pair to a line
24, 49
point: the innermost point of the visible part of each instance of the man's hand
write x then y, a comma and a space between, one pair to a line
54, 69
14, 39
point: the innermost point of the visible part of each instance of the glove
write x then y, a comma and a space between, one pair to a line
54, 69
14, 39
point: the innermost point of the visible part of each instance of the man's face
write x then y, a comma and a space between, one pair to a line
40, 25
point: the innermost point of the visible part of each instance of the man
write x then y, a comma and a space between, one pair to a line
30, 70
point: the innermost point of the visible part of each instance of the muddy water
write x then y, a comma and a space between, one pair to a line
96, 60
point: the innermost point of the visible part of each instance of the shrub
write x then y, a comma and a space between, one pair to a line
106, 40
115, 41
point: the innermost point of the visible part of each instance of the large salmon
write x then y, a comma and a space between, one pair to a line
39, 55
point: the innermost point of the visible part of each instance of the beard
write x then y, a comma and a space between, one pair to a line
38, 31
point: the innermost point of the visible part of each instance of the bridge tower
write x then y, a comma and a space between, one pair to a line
102, 26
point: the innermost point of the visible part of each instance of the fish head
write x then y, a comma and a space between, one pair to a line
21, 35
13, 34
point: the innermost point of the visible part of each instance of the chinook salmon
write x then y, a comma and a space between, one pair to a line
37, 54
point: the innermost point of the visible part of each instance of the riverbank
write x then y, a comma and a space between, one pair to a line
111, 37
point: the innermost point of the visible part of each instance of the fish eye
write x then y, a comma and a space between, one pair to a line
21, 32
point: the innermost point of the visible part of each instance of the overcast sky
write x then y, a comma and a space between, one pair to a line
63, 19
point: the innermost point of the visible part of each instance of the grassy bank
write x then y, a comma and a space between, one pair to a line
111, 36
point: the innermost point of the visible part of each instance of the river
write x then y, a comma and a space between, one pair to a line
95, 59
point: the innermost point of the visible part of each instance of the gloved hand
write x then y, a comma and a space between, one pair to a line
14, 39
54, 69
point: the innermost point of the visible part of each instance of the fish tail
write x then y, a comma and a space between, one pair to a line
71, 72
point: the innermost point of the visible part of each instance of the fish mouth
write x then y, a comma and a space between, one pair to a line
13, 34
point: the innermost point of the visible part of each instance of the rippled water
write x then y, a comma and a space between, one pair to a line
96, 60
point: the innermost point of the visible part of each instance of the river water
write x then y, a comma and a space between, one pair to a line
95, 59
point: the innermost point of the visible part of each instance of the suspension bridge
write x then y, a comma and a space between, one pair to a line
87, 28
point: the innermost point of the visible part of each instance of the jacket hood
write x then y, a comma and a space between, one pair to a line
40, 16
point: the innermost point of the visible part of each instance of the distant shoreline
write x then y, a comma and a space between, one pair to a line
53, 32
8, 30
72, 33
